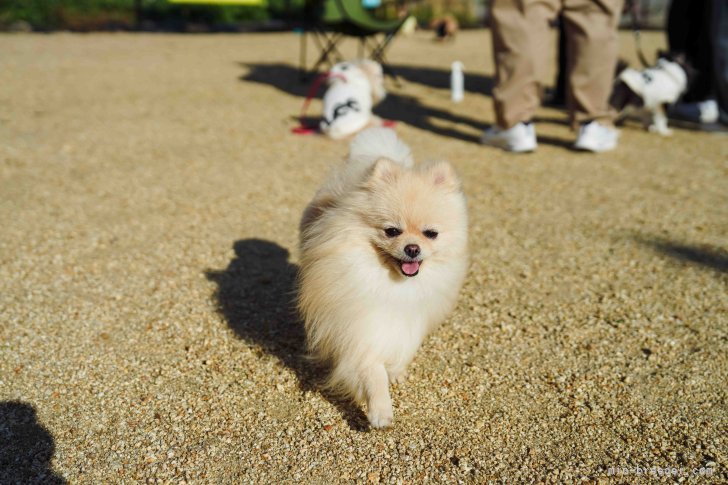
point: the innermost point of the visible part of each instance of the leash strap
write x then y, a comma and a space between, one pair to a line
633, 6
303, 128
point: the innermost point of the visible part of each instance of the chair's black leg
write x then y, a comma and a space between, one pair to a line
305, 72
324, 45
334, 50
377, 53
378, 50
329, 49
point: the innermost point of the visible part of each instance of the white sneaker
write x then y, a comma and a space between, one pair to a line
595, 137
704, 112
519, 138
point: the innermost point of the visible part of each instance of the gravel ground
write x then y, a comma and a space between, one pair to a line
150, 194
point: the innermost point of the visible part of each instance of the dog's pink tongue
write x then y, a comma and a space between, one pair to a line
411, 268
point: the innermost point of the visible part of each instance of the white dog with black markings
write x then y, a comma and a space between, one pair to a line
646, 94
354, 87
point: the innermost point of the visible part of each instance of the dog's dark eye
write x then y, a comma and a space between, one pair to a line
430, 234
392, 232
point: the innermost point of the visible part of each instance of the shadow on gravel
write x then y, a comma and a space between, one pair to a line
286, 78
702, 255
26, 447
440, 78
256, 295
397, 107
283, 77
401, 107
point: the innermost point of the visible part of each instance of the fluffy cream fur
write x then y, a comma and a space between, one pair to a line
367, 304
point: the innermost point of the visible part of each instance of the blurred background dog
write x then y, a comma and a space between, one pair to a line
354, 87
646, 94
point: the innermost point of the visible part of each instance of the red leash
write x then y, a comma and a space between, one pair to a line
302, 128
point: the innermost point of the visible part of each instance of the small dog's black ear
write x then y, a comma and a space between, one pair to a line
661, 54
621, 66
690, 71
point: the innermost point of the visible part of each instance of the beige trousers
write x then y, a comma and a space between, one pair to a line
521, 47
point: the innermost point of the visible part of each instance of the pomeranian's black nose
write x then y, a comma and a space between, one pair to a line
412, 250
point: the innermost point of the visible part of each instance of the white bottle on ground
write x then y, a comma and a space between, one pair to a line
457, 82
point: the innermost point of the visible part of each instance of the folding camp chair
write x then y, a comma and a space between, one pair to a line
331, 20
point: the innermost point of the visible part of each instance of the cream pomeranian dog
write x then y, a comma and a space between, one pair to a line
383, 257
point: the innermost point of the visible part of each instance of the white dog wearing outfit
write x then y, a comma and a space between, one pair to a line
647, 93
354, 88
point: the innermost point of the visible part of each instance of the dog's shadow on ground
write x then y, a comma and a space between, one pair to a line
700, 255
26, 446
256, 296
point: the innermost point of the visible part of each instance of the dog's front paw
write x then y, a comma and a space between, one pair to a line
398, 377
381, 416
664, 131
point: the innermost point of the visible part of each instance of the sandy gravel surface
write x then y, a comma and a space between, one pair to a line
150, 191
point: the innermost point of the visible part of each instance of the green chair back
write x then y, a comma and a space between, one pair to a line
352, 12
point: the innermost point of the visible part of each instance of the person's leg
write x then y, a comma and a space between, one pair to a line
693, 37
699, 50
591, 27
559, 98
679, 25
689, 39
521, 37
719, 37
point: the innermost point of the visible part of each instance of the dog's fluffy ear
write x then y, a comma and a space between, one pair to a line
374, 72
382, 170
442, 174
